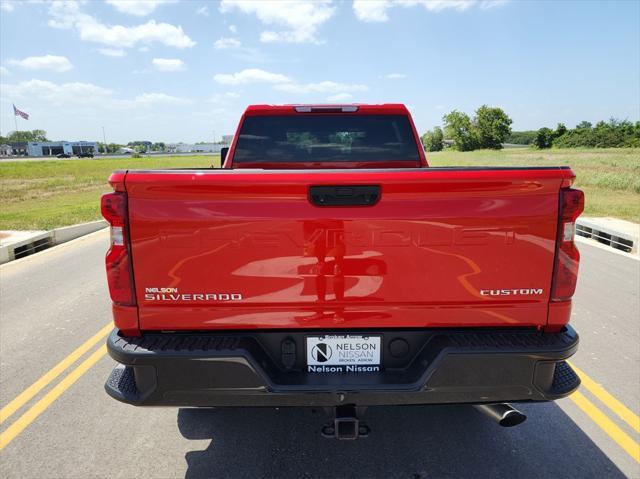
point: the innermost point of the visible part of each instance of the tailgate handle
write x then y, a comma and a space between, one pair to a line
344, 195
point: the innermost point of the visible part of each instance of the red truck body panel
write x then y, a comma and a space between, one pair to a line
326, 265
246, 249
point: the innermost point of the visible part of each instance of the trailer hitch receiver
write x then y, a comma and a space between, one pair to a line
346, 425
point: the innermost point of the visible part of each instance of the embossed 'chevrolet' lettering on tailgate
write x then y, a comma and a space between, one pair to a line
422, 235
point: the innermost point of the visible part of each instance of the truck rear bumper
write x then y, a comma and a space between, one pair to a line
256, 369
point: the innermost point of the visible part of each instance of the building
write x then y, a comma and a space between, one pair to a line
53, 148
227, 139
6, 150
197, 148
18, 149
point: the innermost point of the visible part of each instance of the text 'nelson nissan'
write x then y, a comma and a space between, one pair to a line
326, 264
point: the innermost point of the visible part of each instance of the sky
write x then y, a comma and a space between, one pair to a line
185, 70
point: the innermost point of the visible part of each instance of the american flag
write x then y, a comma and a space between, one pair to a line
21, 113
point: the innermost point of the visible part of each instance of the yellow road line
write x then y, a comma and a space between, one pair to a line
41, 406
53, 373
607, 425
608, 400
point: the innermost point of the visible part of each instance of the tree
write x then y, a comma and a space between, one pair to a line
433, 140
561, 129
544, 138
493, 126
110, 148
458, 127
583, 125
612, 134
25, 136
522, 137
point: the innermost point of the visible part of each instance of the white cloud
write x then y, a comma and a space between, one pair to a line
250, 75
395, 76
159, 98
203, 10
233, 29
486, 4
83, 96
369, 11
336, 91
4, 71
377, 11
139, 8
150, 32
168, 64
225, 43
7, 6
57, 94
65, 14
340, 97
300, 19
47, 62
439, 5
112, 52
320, 87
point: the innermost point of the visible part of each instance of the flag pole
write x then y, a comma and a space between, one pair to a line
15, 120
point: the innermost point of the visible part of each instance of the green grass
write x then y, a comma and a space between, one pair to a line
609, 177
47, 194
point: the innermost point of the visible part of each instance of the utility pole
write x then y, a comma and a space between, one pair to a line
104, 138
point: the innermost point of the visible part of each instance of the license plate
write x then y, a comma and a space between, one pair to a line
343, 354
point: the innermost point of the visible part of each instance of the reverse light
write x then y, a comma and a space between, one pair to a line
118, 259
565, 271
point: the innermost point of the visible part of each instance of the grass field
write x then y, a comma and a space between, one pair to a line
610, 178
51, 193
46, 194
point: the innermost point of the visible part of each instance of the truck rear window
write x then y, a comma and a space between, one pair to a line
318, 138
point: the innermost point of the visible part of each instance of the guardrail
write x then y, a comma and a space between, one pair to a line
41, 240
607, 234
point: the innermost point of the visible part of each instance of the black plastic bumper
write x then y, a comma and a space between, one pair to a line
267, 369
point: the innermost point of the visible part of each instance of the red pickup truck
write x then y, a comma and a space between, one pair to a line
326, 264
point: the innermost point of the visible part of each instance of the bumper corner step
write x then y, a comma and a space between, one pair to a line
565, 379
121, 384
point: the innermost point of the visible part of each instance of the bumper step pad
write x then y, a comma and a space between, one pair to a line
565, 379
122, 381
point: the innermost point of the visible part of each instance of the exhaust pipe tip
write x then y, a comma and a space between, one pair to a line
512, 418
503, 414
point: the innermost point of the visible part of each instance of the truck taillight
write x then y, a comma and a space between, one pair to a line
565, 272
118, 260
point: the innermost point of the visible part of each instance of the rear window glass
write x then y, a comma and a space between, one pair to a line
317, 138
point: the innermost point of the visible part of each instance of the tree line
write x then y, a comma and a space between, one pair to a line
490, 128
24, 136
605, 134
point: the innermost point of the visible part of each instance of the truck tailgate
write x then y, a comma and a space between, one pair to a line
443, 247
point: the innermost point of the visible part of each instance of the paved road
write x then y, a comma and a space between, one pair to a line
52, 302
